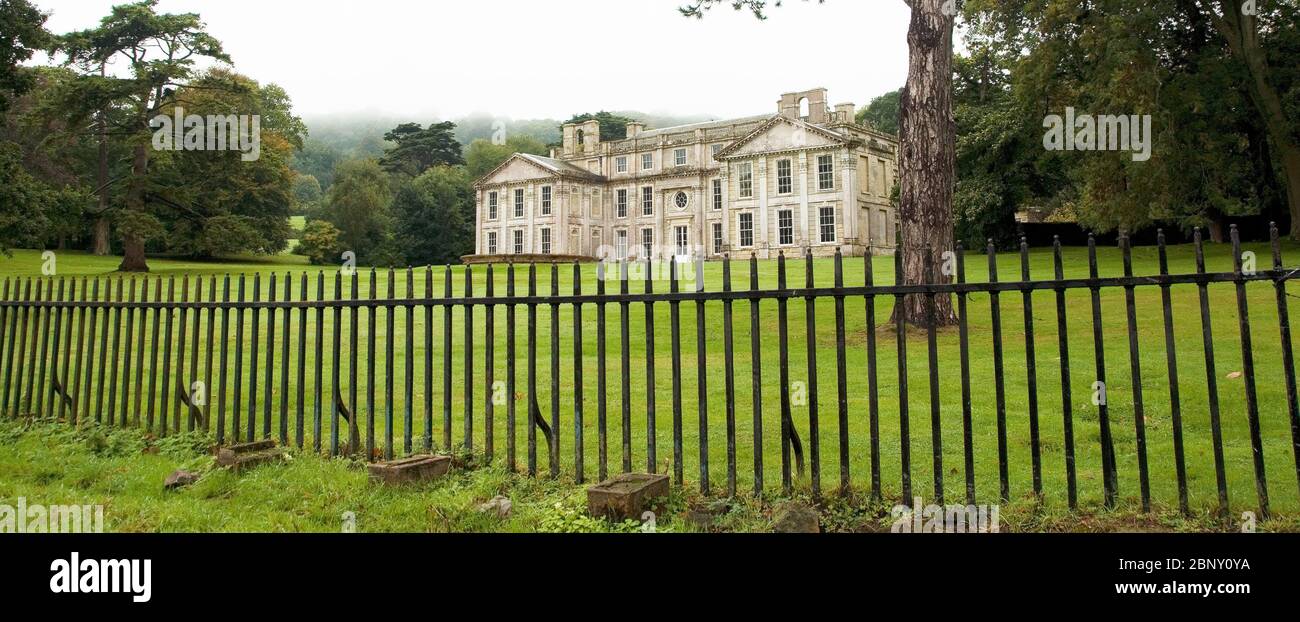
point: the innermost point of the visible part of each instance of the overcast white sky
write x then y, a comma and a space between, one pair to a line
544, 58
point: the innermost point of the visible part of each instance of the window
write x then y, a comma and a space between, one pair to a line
492, 206
546, 200
784, 179
519, 241
647, 161
546, 241
681, 200
620, 204
826, 172
620, 164
747, 180
714, 149
679, 157
647, 243
596, 203
620, 243
647, 201
717, 194
492, 243
717, 238
597, 239
827, 222
519, 203
683, 241
746, 230
785, 227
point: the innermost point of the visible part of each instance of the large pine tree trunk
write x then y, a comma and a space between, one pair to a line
133, 259
100, 232
927, 158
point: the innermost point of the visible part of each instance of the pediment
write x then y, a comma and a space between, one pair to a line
516, 169
781, 134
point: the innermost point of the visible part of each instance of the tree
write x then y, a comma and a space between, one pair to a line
160, 51
22, 33
612, 126
882, 112
359, 207
482, 156
320, 243
927, 144
306, 193
434, 216
416, 149
220, 203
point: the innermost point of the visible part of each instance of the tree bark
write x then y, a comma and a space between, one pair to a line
100, 232
133, 259
927, 160
1242, 34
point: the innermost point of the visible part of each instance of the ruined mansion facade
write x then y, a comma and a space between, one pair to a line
807, 178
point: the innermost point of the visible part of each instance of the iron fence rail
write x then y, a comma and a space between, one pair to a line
48, 374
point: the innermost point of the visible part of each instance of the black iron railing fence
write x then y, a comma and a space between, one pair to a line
236, 365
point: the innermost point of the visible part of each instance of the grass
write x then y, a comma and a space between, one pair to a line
1279, 459
123, 470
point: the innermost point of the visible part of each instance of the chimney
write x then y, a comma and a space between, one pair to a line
570, 138
791, 106
591, 136
634, 128
845, 113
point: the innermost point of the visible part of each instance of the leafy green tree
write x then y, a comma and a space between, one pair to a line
482, 156
160, 52
435, 216
612, 126
882, 112
306, 193
317, 159
320, 243
359, 205
416, 149
22, 33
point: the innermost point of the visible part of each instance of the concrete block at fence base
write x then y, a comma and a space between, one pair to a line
627, 496
239, 458
413, 470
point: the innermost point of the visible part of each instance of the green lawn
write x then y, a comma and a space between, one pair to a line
1276, 432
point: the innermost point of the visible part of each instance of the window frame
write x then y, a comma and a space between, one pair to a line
785, 179
647, 200
648, 245
547, 199
680, 156
620, 164
518, 241
745, 180
718, 239
544, 241
826, 175
746, 228
493, 204
647, 161
621, 243
785, 227
519, 203
620, 203
822, 224
491, 243
682, 240
717, 195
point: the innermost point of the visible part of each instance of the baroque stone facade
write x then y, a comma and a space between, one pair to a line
806, 178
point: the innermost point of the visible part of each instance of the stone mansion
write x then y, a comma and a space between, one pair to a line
805, 178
